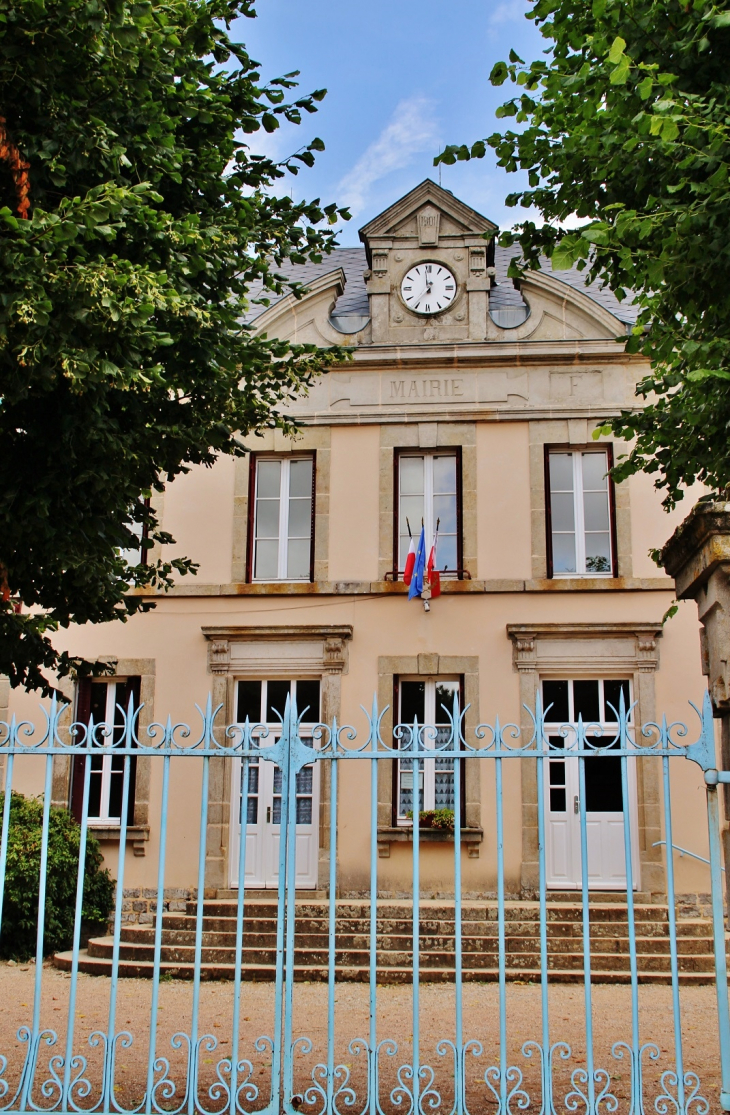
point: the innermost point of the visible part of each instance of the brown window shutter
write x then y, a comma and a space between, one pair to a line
78, 762
132, 689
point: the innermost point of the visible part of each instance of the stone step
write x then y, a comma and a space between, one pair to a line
266, 972
102, 947
481, 912
173, 923
603, 942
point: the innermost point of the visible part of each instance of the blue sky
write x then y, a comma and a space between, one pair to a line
404, 77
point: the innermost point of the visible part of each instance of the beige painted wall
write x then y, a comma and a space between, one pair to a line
198, 513
651, 525
503, 500
354, 503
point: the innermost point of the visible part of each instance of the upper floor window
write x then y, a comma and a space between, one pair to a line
428, 491
106, 702
282, 531
138, 554
580, 513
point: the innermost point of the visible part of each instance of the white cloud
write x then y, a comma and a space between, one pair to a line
411, 130
508, 12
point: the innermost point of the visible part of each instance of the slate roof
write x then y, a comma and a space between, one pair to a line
354, 300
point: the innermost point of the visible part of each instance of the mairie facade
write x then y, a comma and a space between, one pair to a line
469, 406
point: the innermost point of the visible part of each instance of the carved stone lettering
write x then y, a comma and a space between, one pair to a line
424, 390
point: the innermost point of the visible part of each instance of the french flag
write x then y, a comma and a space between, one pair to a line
432, 574
410, 561
419, 568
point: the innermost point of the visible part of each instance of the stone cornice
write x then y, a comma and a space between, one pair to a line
389, 588
486, 354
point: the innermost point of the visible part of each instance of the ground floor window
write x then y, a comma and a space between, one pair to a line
105, 703
422, 705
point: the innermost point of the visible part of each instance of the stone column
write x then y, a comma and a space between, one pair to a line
697, 556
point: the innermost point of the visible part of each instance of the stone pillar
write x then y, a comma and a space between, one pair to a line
697, 556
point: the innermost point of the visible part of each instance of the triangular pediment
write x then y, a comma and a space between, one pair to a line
401, 218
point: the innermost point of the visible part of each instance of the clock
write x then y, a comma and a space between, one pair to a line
428, 288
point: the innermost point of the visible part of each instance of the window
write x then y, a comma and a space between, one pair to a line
264, 702
597, 702
104, 701
137, 555
425, 701
428, 491
282, 527
580, 514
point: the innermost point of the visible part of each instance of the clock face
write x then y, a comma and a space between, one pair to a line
428, 288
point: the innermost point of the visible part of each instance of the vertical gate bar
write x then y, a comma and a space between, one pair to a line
637, 1100
294, 743
240, 902
547, 1091
331, 937
78, 913
586, 919
502, 951
109, 1073
159, 910
459, 1084
7, 800
40, 933
672, 916
280, 920
718, 929
199, 913
373, 957
416, 943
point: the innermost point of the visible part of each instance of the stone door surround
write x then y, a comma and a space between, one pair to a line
258, 651
591, 650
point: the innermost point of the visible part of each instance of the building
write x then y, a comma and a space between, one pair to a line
470, 404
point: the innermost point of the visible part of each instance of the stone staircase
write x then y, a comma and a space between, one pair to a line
609, 941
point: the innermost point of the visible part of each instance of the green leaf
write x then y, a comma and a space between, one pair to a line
618, 46
564, 256
499, 73
645, 87
620, 75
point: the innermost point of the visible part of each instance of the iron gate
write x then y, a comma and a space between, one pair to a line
42, 1068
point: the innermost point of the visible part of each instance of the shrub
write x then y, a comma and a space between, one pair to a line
20, 905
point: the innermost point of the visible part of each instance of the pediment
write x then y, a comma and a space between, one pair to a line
401, 218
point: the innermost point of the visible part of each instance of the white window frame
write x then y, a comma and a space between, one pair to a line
429, 522
428, 774
104, 735
579, 515
283, 553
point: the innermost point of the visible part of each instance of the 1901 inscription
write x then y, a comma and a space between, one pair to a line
414, 390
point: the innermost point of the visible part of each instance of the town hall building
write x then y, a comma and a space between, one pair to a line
469, 405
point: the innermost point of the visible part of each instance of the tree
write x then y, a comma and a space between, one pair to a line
626, 126
133, 222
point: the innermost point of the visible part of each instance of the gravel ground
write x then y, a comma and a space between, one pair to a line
612, 1022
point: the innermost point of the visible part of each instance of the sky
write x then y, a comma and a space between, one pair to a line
403, 78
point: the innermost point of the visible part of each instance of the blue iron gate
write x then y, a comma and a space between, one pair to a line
42, 1069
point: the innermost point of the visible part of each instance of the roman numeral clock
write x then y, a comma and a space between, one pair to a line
428, 288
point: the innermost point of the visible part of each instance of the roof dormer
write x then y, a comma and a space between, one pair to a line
429, 235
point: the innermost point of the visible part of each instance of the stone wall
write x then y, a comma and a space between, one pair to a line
140, 903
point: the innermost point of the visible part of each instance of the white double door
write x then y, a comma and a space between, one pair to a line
605, 837
605, 799
263, 812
